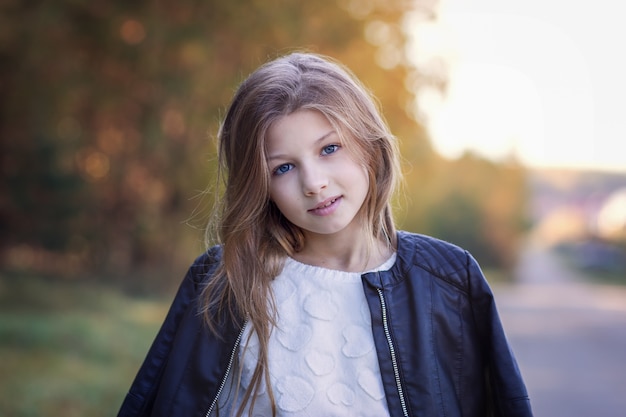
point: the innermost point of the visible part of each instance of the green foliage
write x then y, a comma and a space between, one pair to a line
70, 349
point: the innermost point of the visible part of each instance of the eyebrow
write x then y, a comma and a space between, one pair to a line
317, 141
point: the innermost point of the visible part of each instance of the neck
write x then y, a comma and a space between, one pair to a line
343, 253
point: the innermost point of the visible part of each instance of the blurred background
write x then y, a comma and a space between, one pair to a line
511, 138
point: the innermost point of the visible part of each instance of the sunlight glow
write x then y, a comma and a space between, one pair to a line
523, 81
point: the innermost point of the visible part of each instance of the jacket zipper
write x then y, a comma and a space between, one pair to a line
228, 369
392, 351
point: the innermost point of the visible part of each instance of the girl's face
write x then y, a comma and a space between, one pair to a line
315, 182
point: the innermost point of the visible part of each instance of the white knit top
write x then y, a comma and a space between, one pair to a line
322, 357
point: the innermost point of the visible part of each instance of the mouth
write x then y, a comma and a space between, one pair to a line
326, 203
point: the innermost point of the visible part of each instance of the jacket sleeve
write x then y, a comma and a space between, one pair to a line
141, 396
507, 395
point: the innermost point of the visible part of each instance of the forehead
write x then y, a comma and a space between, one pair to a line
298, 129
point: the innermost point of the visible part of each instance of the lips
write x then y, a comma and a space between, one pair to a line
327, 206
325, 203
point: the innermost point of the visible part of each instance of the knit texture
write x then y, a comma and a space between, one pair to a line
322, 357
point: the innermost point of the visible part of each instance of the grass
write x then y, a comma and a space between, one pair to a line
70, 348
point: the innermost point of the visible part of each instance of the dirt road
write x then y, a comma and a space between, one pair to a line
569, 338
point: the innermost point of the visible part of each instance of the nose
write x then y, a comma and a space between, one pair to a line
314, 179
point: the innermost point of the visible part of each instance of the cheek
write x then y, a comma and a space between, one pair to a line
366, 175
361, 175
358, 163
278, 196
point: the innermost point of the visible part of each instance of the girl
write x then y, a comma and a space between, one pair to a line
313, 304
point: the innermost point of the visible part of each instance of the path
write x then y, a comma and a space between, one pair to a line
569, 338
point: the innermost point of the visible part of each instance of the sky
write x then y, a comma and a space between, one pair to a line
544, 80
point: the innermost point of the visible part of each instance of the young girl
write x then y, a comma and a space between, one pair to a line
313, 304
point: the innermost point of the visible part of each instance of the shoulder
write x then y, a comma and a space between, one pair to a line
430, 252
442, 259
205, 264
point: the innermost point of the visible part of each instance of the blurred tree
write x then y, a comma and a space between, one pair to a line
479, 205
107, 108
107, 111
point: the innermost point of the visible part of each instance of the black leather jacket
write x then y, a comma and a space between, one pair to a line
441, 347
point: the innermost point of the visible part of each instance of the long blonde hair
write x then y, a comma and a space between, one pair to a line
254, 235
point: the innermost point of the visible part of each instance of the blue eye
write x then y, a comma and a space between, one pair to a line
327, 150
281, 169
